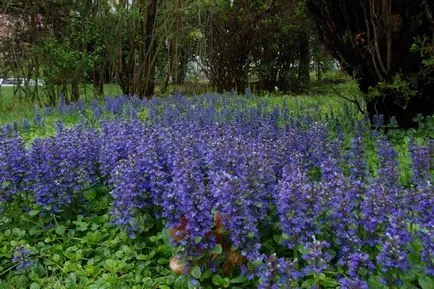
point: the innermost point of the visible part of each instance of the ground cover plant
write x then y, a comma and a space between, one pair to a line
214, 191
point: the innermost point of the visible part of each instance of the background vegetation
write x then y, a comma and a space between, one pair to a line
231, 45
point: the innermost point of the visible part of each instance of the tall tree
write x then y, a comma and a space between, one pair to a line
388, 45
59, 41
136, 65
229, 29
281, 50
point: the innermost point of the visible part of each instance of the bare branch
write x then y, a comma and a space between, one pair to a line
355, 101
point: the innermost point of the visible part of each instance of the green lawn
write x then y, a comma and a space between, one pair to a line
17, 107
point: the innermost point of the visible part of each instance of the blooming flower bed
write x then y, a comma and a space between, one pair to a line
282, 199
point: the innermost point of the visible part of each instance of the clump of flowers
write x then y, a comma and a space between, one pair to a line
22, 259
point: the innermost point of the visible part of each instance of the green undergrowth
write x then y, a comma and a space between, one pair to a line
82, 249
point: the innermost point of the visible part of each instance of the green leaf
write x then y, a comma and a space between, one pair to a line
278, 238
92, 270
197, 240
308, 283
154, 239
60, 230
70, 252
70, 266
239, 279
329, 282
375, 282
35, 286
426, 282
142, 257
33, 213
90, 194
56, 257
226, 282
71, 279
5, 184
301, 249
217, 280
196, 272
164, 287
207, 274
20, 281
217, 249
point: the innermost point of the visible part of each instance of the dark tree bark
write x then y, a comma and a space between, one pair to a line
75, 89
229, 35
304, 65
372, 39
98, 81
151, 48
182, 66
136, 71
126, 66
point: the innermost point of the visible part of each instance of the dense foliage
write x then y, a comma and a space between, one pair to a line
238, 192
138, 43
370, 39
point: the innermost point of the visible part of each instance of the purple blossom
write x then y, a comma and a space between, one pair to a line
13, 167
356, 159
96, 109
378, 120
22, 258
63, 165
394, 252
388, 172
357, 261
38, 119
297, 206
267, 273
316, 256
193, 199
347, 283
26, 124
421, 166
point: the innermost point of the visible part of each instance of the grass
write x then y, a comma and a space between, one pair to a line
16, 107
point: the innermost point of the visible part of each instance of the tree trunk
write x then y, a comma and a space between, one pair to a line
304, 66
182, 67
375, 41
150, 47
75, 89
98, 81
171, 64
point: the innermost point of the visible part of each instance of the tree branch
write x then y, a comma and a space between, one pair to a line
359, 107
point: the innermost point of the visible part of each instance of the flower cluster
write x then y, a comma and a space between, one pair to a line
22, 258
13, 166
62, 165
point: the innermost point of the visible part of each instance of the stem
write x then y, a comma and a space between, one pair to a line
7, 270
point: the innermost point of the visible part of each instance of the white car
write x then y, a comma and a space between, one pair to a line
10, 82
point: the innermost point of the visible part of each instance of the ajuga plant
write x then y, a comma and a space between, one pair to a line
251, 191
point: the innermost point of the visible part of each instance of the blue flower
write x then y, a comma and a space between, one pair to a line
22, 258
